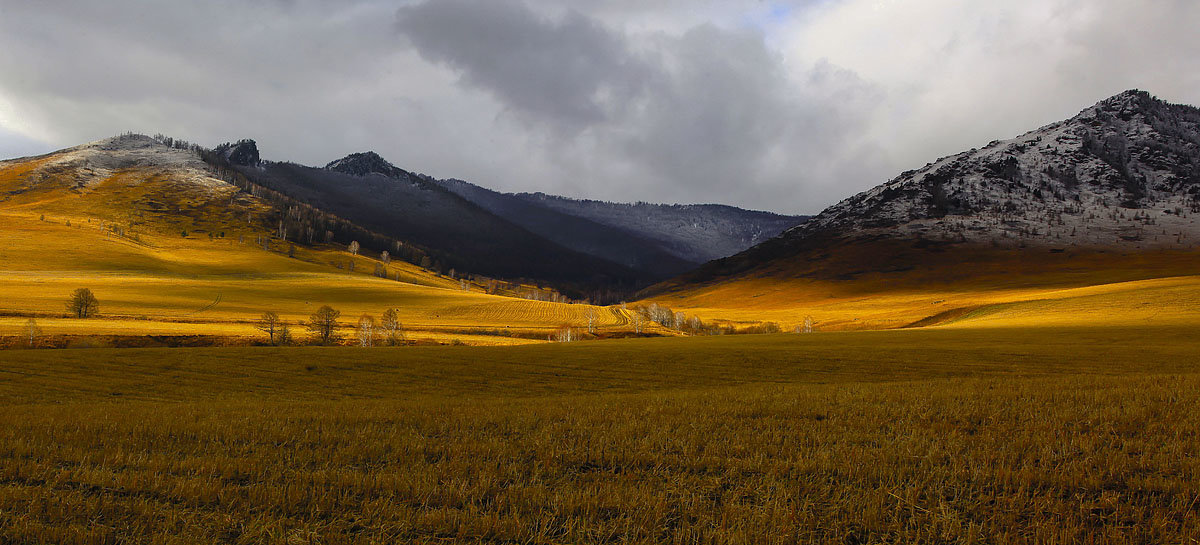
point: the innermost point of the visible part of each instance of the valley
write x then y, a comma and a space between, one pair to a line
919, 363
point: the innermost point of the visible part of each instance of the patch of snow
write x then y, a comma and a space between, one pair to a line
96, 161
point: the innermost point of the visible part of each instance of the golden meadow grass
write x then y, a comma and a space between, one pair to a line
1003, 435
1044, 406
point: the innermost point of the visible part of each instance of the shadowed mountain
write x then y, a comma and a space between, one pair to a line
694, 232
365, 189
581, 234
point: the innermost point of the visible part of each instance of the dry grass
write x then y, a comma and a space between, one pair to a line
927, 436
844, 289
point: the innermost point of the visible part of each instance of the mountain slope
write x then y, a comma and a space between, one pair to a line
176, 254
1115, 175
369, 191
1107, 196
694, 232
577, 233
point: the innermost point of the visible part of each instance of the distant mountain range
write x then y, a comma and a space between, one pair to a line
572, 243
1121, 176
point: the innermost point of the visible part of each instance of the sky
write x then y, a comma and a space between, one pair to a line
787, 106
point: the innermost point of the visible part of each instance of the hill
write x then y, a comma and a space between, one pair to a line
1108, 196
174, 251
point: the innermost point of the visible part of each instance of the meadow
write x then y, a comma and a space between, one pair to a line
990, 435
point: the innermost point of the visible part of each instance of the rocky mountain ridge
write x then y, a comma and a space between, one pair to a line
1122, 173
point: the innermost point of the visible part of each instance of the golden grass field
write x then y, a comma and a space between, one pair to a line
992, 435
989, 397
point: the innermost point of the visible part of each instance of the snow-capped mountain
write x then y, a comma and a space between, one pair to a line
1122, 173
1121, 177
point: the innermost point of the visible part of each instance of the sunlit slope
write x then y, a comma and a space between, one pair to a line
121, 233
880, 286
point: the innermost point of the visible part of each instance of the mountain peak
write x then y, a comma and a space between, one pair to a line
364, 163
1123, 173
244, 152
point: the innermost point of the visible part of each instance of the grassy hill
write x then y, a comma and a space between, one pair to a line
890, 284
170, 251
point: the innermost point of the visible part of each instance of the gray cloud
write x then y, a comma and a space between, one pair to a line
568, 72
785, 105
707, 114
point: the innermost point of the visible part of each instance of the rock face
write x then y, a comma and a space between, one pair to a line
241, 153
1123, 173
362, 164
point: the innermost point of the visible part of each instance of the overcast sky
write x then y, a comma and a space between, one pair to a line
782, 106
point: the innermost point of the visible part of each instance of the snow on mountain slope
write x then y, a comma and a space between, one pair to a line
90, 163
1122, 173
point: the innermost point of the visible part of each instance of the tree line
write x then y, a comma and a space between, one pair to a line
324, 328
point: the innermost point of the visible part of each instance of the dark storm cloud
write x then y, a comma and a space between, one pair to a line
569, 72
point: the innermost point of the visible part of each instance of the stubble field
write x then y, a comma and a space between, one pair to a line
1002, 435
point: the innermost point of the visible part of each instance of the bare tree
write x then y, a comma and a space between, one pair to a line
269, 323
385, 257
323, 324
353, 248
564, 334
83, 304
284, 335
32, 332
807, 326
637, 321
392, 329
590, 314
366, 330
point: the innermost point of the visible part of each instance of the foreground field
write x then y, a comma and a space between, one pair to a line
920, 436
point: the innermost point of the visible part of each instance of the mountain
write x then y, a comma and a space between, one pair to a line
627, 248
368, 191
693, 232
1108, 195
578, 245
1115, 175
